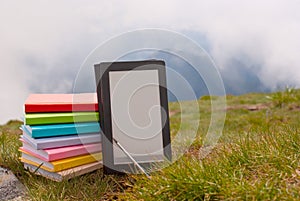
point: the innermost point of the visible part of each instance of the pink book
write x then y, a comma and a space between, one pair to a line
53, 154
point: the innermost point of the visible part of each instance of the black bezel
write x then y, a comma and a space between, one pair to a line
103, 92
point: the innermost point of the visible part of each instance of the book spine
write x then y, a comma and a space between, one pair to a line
69, 142
52, 119
77, 162
76, 152
35, 108
64, 130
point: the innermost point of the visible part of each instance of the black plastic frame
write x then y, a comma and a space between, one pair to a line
103, 92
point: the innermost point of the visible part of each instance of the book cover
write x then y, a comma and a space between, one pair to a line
65, 174
57, 118
61, 102
61, 141
52, 130
53, 154
59, 165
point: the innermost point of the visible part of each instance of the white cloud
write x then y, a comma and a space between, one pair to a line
42, 43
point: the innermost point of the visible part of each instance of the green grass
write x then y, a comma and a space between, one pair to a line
254, 168
88, 187
256, 158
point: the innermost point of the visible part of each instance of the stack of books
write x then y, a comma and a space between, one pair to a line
61, 135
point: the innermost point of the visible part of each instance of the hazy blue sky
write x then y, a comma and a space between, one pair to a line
43, 43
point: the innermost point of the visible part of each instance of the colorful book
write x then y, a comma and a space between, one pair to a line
56, 118
36, 103
61, 141
59, 165
52, 130
54, 154
65, 174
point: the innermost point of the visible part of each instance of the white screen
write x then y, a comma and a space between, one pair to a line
136, 115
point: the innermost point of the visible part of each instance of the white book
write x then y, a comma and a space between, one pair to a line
61, 141
65, 174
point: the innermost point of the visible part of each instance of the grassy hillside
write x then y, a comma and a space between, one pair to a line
256, 158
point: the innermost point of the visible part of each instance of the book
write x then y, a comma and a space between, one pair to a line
61, 141
36, 103
59, 165
65, 174
52, 130
56, 118
52, 154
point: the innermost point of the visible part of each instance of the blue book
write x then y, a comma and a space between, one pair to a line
51, 130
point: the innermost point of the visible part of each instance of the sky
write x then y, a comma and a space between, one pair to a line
44, 43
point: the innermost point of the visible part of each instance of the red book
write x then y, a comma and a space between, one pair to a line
61, 102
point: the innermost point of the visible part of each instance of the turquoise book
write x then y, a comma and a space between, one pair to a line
51, 130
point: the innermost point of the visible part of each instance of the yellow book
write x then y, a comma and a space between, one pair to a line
59, 165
